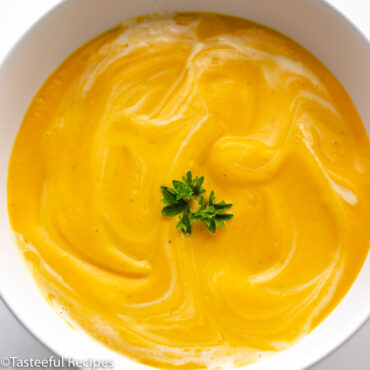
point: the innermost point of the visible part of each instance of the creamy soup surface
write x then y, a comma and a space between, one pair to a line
272, 131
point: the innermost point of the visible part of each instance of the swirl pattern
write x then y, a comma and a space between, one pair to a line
272, 131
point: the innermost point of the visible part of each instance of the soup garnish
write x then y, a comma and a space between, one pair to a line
180, 200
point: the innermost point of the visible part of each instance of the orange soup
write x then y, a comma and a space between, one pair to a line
270, 129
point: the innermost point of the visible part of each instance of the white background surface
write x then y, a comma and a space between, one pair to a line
16, 16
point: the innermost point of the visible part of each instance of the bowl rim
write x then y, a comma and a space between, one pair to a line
60, 4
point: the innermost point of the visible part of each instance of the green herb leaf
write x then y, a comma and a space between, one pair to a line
173, 210
212, 197
211, 224
222, 205
178, 198
184, 223
169, 196
224, 216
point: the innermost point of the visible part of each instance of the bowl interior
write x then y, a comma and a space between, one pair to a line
312, 23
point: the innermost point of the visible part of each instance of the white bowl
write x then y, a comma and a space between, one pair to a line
312, 23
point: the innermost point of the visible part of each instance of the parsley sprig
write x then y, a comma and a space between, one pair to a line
179, 198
